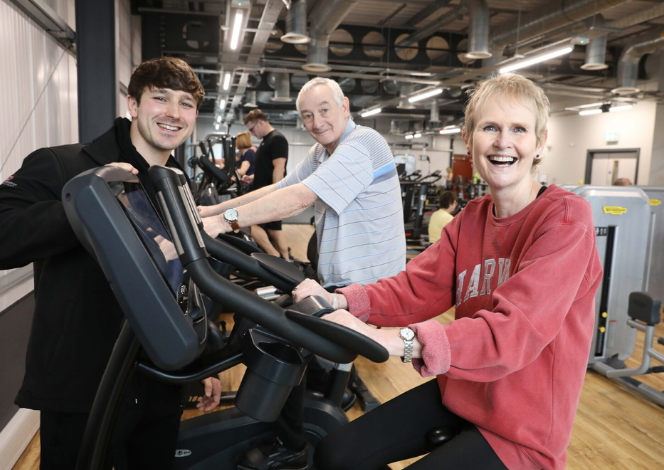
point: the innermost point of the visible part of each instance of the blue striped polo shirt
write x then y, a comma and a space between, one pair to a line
358, 213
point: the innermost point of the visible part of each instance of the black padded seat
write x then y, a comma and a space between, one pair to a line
644, 307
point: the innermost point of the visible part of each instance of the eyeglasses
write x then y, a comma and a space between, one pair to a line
251, 129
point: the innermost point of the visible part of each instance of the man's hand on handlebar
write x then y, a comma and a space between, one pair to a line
309, 287
247, 179
215, 225
212, 394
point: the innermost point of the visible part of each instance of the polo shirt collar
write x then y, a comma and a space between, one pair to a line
350, 125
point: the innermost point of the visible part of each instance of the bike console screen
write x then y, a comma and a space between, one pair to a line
153, 234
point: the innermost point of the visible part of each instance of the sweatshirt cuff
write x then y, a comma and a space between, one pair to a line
435, 348
358, 300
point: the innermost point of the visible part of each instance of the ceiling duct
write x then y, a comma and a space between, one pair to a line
325, 18
434, 117
545, 19
434, 26
296, 24
250, 101
406, 90
281, 88
478, 29
596, 54
628, 65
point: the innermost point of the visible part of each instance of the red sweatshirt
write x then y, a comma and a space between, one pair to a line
514, 359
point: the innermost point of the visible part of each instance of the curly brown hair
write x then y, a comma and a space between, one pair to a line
165, 72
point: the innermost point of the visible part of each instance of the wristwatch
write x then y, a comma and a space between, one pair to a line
230, 216
407, 335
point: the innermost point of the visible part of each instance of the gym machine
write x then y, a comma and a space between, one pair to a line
623, 229
217, 185
158, 272
654, 274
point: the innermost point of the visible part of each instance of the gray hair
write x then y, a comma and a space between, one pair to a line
334, 86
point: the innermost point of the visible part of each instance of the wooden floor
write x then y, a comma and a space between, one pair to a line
615, 428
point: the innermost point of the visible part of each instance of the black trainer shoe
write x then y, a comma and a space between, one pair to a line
274, 456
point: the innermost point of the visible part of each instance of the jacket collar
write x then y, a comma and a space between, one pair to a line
104, 149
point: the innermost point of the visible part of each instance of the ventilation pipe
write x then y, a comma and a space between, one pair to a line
628, 65
432, 27
325, 18
296, 24
596, 54
434, 117
250, 101
478, 29
406, 90
544, 20
281, 87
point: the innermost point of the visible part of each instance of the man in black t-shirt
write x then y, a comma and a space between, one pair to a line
270, 168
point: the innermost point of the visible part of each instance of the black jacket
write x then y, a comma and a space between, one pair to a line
77, 318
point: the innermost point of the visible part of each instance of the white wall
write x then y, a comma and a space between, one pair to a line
128, 49
40, 103
571, 136
40, 110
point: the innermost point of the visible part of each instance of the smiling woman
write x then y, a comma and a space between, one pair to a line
521, 268
505, 133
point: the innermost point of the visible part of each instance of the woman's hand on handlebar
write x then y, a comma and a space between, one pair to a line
347, 319
309, 287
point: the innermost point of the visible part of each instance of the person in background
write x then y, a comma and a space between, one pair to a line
247, 154
520, 265
622, 182
77, 318
269, 169
448, 204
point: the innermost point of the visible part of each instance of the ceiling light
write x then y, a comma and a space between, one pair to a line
538, 59
409, 136
450, 130
371, 112
216, 127
218, 118
620, 108
237, 28
577, 108
227, 81
588, 112
425, 95
417, 135
222, 105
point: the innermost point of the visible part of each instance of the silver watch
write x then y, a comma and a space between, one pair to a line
407, 335
230, 216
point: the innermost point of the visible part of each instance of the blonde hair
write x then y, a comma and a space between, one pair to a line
243, 140
513, 86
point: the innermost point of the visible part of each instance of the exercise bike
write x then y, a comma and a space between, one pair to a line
165, 318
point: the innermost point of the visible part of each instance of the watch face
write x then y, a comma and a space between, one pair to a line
407, 334
231, 214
